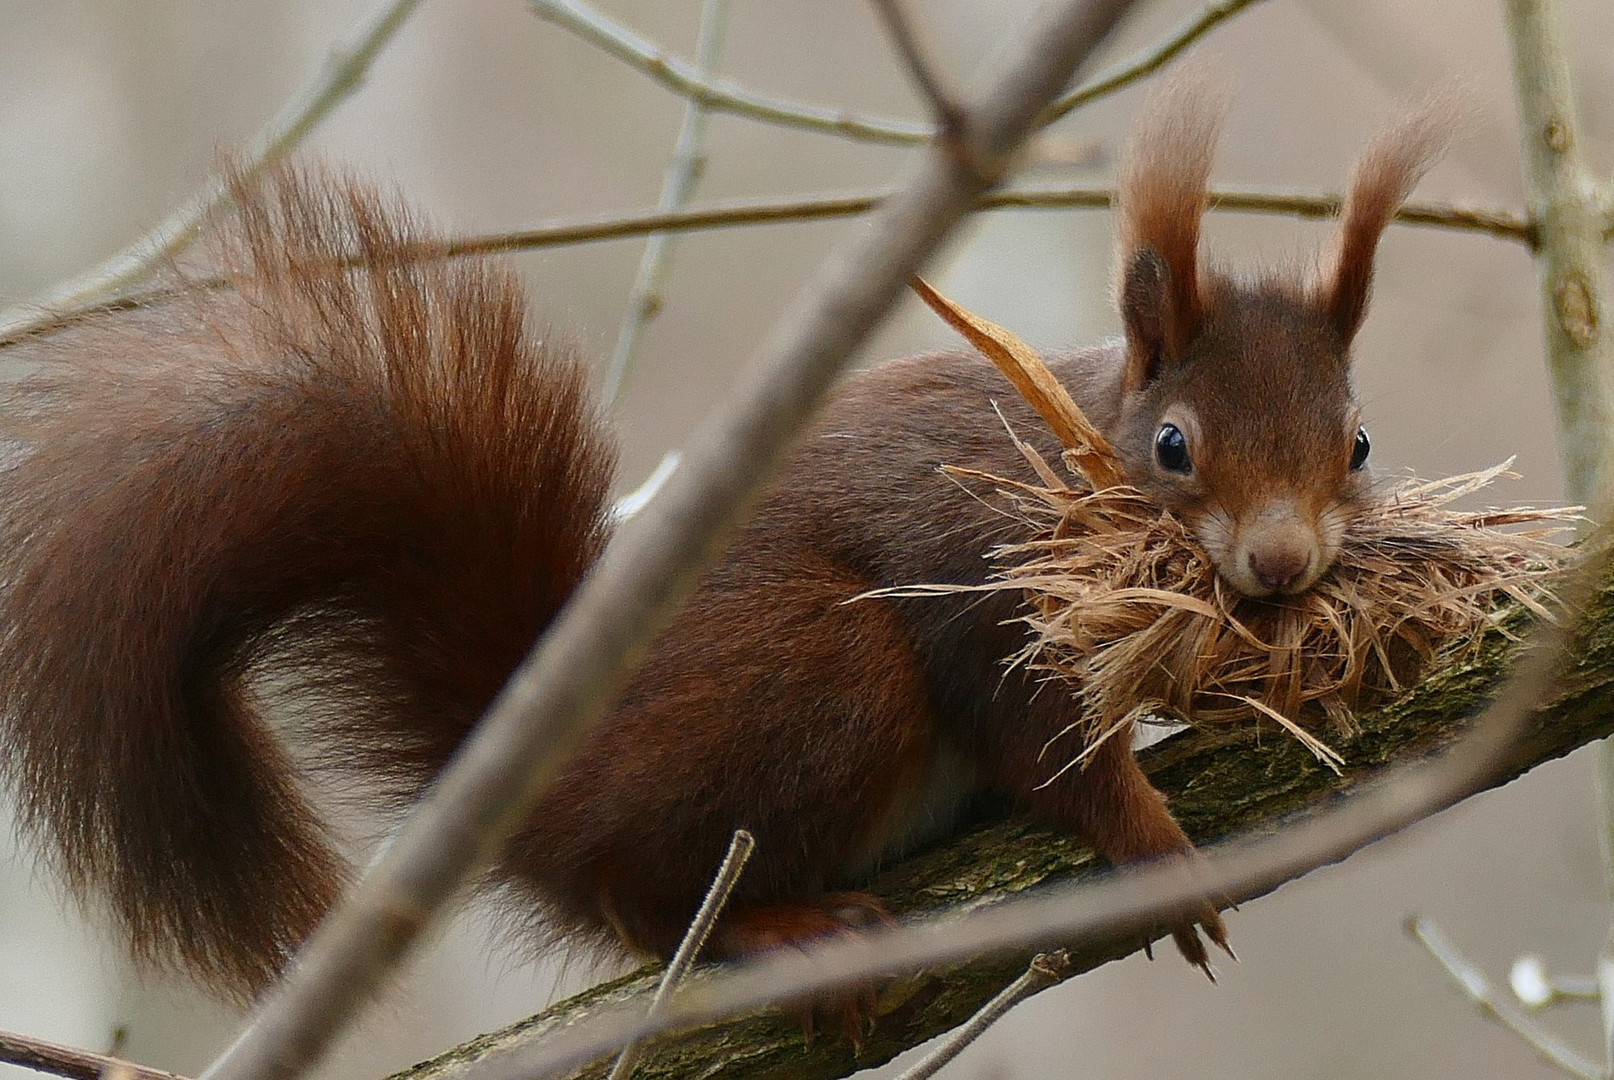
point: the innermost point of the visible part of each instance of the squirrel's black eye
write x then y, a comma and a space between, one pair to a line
1359, 451
1171, 449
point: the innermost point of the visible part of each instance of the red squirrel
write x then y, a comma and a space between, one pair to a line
377, 484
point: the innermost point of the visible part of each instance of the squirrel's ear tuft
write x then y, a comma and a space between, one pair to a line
1160, 197
1384, 176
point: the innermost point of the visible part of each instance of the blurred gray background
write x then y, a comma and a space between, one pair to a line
490, 119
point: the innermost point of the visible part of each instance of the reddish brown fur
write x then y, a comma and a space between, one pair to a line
1255, 373
1268, 380
1160, 200
377, 482
812, 720
385, 457
1384, 176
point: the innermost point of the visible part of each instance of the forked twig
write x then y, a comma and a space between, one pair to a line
682, 78
722, 95
1477, 988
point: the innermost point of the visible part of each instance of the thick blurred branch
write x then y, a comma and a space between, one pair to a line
344, 72
1222, 781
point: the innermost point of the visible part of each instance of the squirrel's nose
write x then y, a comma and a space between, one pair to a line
1278, 566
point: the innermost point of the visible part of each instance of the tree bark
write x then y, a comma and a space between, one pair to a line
1221, 781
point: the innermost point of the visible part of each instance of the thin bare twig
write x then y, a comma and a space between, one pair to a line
720, 95
677, 187
905, 36
1309, 205
1046, 970
59, 1060
77, 296
1502, 224
344, 71
700, 928
654, 562
1477, 988
1149, 61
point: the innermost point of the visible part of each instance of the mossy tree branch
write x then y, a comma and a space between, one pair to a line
1222, 781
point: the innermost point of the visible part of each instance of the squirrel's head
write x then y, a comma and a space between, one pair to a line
1237, 411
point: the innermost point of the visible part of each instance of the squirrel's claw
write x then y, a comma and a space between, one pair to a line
1187, 936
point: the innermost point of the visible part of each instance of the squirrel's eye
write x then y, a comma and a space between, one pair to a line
1359, 451
1171, 449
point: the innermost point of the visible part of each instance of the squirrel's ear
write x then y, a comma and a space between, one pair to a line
1384, 176
1146, 313
1160, 197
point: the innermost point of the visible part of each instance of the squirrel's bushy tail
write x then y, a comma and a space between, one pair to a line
358, 472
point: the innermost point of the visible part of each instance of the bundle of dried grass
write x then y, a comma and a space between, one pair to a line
1125, 604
